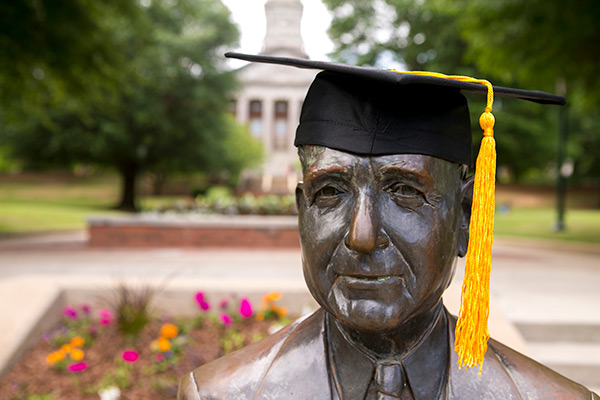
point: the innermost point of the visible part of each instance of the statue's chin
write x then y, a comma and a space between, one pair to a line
367, 315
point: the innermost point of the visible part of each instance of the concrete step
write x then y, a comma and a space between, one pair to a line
577, 361
552, 332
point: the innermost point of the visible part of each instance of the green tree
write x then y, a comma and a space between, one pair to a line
167, 113
62, 44
533, 41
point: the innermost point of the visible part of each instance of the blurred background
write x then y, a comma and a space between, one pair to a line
127, 110
131, 106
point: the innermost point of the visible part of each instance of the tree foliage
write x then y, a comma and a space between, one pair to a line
64, 45
525, 44
166, 112
533, 41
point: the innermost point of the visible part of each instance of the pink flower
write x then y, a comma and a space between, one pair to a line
225, 319
199, 297
130, 356
69, 312
106, 317
159, 357
86, 309
223, 304
245, 308
81, 366
204, 306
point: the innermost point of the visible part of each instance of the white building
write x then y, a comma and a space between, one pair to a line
271, 97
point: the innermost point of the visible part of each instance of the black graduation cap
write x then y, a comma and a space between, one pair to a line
370, 111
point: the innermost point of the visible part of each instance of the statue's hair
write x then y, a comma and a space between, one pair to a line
305, 162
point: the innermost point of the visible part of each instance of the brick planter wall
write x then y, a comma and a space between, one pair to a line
197, 231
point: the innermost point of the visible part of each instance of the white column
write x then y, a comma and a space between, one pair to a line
267, 119
293, 119
241, 111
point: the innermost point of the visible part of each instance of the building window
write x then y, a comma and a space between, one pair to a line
255, 109
281, 125
255, 118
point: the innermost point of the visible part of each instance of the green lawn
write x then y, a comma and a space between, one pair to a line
530, 222
54, 204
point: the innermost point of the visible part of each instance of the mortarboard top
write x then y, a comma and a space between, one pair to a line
399, 78
372, 111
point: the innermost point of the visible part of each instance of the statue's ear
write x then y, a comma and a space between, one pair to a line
467, 201
299, 194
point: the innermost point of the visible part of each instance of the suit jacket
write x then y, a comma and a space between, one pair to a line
292, 364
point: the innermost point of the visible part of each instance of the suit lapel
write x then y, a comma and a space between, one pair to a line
299, 370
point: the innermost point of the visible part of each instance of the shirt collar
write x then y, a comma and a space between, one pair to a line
425, 366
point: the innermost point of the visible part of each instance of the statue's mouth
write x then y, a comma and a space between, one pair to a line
370, 281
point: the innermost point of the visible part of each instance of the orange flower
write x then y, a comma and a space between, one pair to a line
55, 357
260, 317
77, 355
164, 344
50, 359
77, 341
66, 348
169, 331
282, 312
272, 296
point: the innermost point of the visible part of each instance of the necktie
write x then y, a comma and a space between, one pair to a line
389, 381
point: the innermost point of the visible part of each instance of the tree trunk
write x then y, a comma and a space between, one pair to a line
158, 183
129, 175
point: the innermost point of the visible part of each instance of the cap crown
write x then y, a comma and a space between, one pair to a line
371, 117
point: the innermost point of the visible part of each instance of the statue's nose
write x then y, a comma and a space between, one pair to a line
365, 233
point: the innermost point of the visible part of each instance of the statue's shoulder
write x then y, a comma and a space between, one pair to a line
531, 377
240, 374
508, 374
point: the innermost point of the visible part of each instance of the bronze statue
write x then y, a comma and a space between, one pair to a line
380, 232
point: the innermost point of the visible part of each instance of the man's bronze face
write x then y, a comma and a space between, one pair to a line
379, 235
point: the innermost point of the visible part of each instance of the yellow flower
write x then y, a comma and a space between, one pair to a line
77, 355
164, 344
154, 345
169, 331
272, 296
66, 348
77, 341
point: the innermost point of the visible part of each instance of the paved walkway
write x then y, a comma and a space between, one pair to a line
533, 284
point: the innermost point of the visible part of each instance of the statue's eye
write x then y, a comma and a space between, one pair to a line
327, 197
405, 193
327, 192
403, 190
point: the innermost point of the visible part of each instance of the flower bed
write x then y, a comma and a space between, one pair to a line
115, 354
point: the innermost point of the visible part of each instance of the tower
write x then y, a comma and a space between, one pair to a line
270, 100
283, 35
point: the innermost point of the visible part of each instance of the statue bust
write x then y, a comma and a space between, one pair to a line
384, 210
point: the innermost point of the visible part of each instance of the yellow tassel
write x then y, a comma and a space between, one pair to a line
471, 334
471, 328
